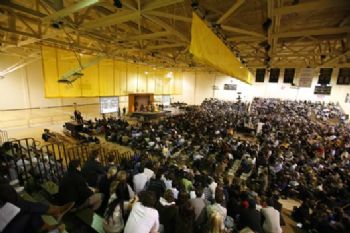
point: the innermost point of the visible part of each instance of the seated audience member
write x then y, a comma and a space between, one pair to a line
93, 170
140, 180
217, 207
117, 211
105, 186
271, 218
111, 162
46, 135
215, 223
29, 217
148, 170
168, 212
250, 217
143, 216
199, 205
157, 185
73, 188
122, 179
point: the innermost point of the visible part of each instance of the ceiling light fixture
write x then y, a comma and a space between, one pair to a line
118, 4
266, 25
170, 74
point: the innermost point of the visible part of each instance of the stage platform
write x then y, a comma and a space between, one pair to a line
150, 115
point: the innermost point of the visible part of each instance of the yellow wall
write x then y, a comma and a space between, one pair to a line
106, 78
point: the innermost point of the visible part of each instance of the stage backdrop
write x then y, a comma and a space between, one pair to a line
105, 78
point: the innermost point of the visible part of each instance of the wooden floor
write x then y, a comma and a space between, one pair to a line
23, 119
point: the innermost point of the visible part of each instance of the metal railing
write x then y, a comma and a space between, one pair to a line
25, 160
3, 137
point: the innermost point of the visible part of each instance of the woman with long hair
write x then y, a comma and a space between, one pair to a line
215, 222
116, 213
121, 179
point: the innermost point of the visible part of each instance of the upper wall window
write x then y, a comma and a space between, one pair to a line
325, 76
289, 75
274, 75
344, 76
260, 75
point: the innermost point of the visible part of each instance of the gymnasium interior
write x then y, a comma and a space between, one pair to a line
175, 116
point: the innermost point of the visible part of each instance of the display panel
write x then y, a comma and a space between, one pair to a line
109, 104
323, 90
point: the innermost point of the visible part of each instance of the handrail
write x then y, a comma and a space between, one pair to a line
48, 163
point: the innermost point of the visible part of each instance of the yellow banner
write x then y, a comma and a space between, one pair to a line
207, 48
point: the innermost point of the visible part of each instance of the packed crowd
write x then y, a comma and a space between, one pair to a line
191, 175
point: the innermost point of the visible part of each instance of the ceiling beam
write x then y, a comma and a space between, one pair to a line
15, 31
270, 10
276, 22
113, 19
241, 31
344, 21
156, 47
230, 11
10, 5
312, 6
69, 10
168, 27
170, 16
334, 59
154, 4
146, 36
313, 32
246, 38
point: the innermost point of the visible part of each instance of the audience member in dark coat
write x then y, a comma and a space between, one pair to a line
157, 185
93, 170
186, 218
105, 187
168, 212
73, 187
250, 217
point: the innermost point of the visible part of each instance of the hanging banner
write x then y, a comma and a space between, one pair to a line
305, 77
207, 48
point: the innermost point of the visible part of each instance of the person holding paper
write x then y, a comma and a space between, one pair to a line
18, 215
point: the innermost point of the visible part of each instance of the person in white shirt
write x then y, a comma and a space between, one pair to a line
148, 171
140, 181
272, 219
144, 218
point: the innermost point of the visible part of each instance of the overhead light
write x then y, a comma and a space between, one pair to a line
194, 4
118, 4
169, 75
266, 25
295, 2
146, 72
154, 68
57, 24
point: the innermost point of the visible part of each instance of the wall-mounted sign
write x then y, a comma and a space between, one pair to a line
306, 75
230, 87
323, 90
